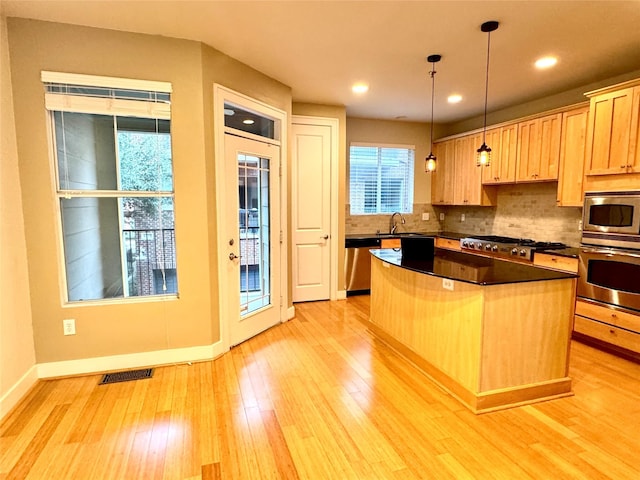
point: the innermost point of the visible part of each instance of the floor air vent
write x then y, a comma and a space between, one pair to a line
126, 376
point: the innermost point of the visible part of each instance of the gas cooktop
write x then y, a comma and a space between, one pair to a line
494, 245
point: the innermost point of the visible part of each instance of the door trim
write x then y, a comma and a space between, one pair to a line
334, 126
222, 94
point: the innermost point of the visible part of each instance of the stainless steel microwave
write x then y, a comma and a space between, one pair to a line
611, 219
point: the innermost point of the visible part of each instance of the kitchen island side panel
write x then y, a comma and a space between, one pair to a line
416, 310
526, 333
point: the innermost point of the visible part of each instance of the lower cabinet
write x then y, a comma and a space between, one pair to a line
448, 243
620, 330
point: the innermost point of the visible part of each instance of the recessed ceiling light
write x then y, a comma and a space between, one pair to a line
360, 88
546, 62
455, 98
248, 121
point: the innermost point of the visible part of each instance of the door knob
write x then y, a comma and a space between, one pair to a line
232, 256
325, 237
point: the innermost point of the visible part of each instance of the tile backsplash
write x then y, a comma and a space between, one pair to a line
522, 210
380, 223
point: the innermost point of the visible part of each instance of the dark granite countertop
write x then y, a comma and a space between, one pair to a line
470, 268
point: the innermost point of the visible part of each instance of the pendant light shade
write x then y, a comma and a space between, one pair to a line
430, 163
483, 157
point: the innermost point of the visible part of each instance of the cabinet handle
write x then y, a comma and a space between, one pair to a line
554, 259
623, 166
612, 331
613, 315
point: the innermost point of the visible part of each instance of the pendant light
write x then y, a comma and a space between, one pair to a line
430, 161
483, 157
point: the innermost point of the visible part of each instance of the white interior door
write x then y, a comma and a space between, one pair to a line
311, 212
252, 228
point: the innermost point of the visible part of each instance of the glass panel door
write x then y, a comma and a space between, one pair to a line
254, 232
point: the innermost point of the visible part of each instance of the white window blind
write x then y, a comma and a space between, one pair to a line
381, 178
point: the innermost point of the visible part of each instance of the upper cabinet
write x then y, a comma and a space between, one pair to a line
504, 149
442, 178
613, 138
467, 188
539, 149
610, 133
573, 143
457, 180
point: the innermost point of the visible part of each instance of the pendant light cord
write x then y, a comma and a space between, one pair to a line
433, 86
486, 90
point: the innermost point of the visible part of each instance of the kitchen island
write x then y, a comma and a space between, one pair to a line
493, 333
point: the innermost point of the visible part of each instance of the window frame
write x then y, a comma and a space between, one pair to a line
159, 110
409, 178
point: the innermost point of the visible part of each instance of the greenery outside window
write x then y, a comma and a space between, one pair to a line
381, 178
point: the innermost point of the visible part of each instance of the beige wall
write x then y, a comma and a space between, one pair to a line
121, 328
395, 132
228, 72
17, 355
563, 99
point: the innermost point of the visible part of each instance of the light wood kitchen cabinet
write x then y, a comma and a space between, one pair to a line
448, 243
539, 149
613, 327
557, 262
457, 180
442, 178
573, 145
466, 174
612, 138
504, 148
468, 189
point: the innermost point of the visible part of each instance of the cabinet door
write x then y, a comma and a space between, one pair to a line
609, 132
550, 130
573, 144
508, 153
539, 149
491, 174
468, 176
528, 150
634, 155
442, 178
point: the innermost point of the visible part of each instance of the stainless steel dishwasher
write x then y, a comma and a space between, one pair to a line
357, 264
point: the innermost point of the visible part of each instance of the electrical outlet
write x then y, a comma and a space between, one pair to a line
442, 217
425, 216
69, 326
462, 217
447, 284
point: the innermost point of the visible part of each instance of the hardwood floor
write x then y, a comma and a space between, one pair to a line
320, 397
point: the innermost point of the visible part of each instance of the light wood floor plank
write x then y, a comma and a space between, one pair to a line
320, 397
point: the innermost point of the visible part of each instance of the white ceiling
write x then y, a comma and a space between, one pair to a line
319, 48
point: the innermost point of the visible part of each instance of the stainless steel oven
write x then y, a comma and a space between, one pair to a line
610, 276
611, 219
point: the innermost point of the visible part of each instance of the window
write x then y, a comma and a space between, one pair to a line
381, 178
114, 185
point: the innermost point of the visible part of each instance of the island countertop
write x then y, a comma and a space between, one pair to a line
470, 268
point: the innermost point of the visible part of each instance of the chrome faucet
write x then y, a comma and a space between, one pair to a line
393, 226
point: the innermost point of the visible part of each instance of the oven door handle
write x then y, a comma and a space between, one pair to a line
610, 251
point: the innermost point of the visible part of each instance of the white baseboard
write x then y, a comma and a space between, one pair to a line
342, 295
127, 361
11, 398
291, 312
